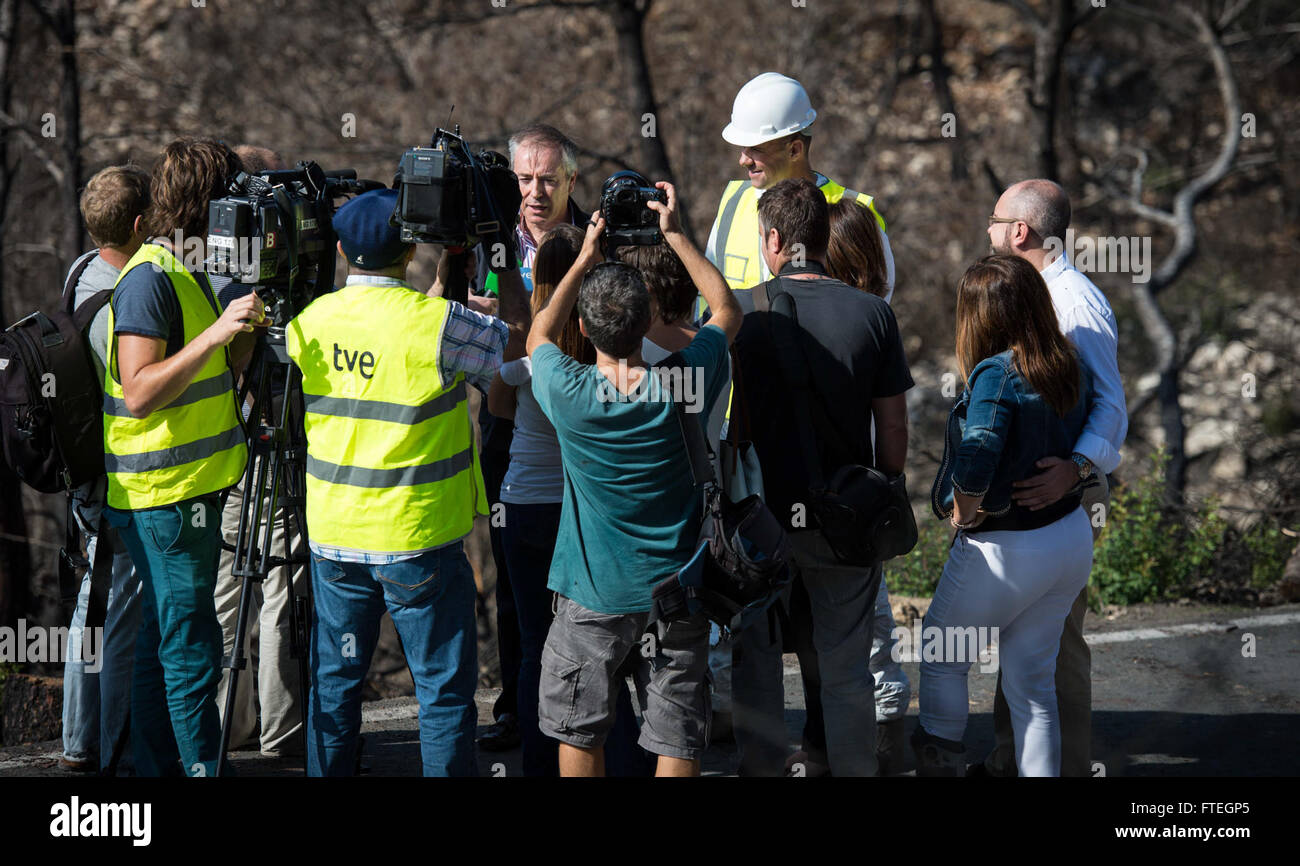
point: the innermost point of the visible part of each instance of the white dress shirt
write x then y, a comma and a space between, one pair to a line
1086, 318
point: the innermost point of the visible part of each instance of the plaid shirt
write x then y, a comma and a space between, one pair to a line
472, 344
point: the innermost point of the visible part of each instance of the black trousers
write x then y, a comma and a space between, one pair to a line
797, 631
509, 652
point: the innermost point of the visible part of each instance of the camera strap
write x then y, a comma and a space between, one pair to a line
285, 207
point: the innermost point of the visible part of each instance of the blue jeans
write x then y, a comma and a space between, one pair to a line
528, 537
431, 601
98, 691
97, 683
843, 602
178, 651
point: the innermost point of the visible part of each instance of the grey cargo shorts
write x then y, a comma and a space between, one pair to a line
580, 663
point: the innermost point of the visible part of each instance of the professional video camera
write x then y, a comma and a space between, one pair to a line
274, 231
446, 195
623, 199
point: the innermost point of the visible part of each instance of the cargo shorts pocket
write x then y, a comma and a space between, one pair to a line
558, 689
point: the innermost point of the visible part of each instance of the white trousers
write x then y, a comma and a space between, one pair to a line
1022, 584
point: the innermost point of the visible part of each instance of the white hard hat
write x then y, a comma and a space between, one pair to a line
768, 107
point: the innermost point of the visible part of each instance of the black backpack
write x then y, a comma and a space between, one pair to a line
742, 564
51, 396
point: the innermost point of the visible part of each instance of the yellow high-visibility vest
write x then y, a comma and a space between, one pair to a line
738, 235
391, 463
193, 445
739, 255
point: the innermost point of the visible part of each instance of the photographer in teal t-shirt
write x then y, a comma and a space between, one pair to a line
631, 512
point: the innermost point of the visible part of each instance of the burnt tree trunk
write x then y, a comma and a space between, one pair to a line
942, 91
629, 27
15, 554
1051, 35
60, 16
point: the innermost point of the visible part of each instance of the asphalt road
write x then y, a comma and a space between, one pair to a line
1177, 691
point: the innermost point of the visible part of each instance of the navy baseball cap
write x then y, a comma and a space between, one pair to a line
369, 241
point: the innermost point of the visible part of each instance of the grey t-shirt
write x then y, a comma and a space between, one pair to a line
536, 473
145, 304
98, 276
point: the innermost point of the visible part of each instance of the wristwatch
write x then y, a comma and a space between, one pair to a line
1084, 465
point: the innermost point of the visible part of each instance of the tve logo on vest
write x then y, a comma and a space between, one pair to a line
363, 361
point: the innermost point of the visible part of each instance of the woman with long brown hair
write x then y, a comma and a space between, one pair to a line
532, 492
854, 254
1012, 573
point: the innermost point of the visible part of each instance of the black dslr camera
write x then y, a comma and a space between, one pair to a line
623, 199
274, 231
448, 196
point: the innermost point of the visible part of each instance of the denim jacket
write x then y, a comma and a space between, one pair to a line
997, 430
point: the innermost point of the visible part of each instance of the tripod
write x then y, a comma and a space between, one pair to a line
276, 461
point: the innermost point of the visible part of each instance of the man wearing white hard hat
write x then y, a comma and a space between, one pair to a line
770, 120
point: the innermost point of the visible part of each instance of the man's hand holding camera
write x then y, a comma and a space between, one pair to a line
670, 221
242, 316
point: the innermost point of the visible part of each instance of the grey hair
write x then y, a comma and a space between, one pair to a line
1044, 205
545, 134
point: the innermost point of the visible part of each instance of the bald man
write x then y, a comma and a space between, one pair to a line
1029, 221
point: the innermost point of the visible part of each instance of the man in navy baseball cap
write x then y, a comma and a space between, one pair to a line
393, 486
367, 238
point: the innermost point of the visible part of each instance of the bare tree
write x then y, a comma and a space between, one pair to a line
15, 554
1052, 29
628, 19
60, 17
939, 68
629, 26
1181, 219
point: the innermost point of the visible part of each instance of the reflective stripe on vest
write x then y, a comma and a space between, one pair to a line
391, 463
195, 444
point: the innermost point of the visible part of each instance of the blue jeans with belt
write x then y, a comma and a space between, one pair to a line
431, 601
175, 727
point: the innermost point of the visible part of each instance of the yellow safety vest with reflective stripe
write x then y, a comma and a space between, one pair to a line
738, 254
193, 445
737, 250
391, 463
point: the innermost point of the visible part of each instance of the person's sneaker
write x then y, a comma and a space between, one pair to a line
803, 764
889, 747
936, 756
74, 766
501, 736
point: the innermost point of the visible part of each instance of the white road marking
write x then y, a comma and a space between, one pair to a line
1157, 632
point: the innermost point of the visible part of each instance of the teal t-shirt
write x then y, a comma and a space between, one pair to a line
631, 513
